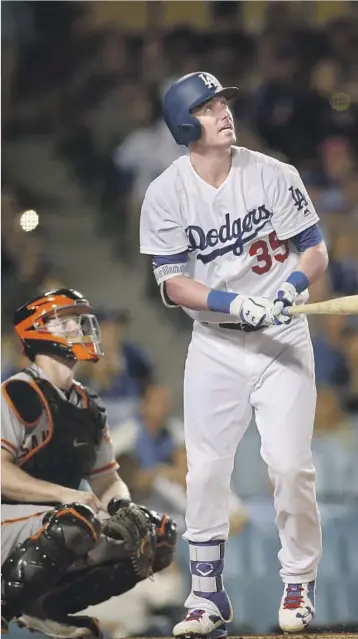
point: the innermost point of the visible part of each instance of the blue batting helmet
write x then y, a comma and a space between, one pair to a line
186, 94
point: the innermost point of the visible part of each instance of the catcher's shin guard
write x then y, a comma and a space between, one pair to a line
89, 587
69, 532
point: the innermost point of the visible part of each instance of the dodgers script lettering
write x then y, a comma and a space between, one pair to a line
231, 236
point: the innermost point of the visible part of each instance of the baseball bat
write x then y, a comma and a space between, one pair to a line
339, 306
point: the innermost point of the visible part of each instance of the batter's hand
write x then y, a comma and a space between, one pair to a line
255, 311
286, 296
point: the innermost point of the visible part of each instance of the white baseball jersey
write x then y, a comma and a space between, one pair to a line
236, 236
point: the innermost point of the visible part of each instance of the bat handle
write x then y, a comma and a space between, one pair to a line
294, 310
288, 311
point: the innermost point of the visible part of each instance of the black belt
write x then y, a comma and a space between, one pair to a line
246, 328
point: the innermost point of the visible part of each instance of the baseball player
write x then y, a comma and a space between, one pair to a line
235, 242
64, 548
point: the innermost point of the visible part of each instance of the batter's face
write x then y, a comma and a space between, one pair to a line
218, 129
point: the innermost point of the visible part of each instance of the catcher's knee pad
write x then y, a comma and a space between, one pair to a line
68, 533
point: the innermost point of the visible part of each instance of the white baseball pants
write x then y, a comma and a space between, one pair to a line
228, 375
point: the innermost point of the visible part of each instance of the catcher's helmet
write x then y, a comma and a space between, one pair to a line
183, 96
41, 326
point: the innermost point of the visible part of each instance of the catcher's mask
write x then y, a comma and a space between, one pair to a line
60, 323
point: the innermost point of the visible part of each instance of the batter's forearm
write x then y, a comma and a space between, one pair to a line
184, 291
19, 486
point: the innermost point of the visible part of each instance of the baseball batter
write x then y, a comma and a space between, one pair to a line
235, 241
62, 548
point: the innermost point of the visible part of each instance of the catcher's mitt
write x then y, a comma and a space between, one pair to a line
134, 527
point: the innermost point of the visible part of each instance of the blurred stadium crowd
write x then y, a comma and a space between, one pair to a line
97, 89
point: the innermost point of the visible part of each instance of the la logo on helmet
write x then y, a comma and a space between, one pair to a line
209, 80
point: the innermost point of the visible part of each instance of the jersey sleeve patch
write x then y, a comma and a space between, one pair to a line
24, 401
167, 266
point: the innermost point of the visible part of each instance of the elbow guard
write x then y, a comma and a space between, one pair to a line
165, 297
165, 267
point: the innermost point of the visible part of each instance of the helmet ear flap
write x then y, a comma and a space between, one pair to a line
189, 131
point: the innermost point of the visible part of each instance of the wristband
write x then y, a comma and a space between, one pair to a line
220, 301
299, 280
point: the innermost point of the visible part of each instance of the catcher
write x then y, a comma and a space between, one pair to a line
64, 549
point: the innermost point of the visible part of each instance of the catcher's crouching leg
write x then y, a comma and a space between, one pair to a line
98, 584
69, 532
